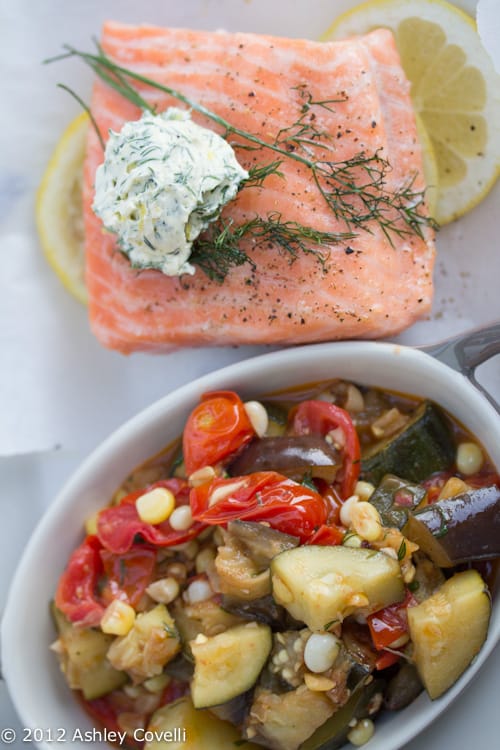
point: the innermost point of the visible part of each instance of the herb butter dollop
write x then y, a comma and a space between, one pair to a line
163, 180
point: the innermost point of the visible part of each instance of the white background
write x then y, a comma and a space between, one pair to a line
60, 392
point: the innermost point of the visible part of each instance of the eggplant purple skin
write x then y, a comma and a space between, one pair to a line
462, 529
291, 455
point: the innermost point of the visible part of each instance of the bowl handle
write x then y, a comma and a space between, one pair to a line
467, 351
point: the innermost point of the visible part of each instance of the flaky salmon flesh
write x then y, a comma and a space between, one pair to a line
372, 285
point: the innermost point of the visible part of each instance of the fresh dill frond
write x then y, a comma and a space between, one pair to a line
86, 108
219, 248
257, 174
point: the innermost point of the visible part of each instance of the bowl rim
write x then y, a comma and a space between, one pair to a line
416, 719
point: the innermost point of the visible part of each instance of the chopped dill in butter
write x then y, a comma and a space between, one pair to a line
163, 180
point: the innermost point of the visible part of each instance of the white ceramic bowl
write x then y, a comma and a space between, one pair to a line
39, 692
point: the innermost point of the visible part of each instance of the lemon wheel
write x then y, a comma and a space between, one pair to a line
454, 87
59, 215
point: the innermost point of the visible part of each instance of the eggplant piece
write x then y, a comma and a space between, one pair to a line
403, 688
263, 610
333, 733
235, 710
394, 498
261, 542
180, 668
242, 562
292, 456
358, 643
459, 529
423, 446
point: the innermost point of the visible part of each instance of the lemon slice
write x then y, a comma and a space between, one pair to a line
59, 214
454, 87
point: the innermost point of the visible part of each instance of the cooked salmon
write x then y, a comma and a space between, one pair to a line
369, 286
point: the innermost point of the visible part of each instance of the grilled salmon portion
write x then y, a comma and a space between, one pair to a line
369, 286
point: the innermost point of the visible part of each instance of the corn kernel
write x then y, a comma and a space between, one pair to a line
345, 511
204, 559
224, 491
321, 651
198, 591
318, 683
365, 520
91, 523
178, 571
181, 518
164, 590
469, 458
361, 732
258, 417
202, 476
118, 618
355, 401
156, 505
364, 490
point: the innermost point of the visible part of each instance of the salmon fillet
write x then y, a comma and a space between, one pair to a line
367, 287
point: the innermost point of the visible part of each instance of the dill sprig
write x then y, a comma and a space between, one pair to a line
219, 248
86, 108
257, 174
355, 190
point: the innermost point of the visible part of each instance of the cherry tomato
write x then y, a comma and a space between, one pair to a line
126, 576
119, 525
387, 659
332, 499
390, 624
106, 714
75, 594
327, 536
321, 417
216, 428
262, 496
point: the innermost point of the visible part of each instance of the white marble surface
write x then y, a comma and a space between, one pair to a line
60, 393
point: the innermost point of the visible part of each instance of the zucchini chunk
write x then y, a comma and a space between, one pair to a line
283, 722
424, 445
229, 663
202, 730
394, 498
459, 529
321, 585
448, 629
83, 658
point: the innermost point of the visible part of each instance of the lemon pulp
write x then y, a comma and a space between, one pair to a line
454, 88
